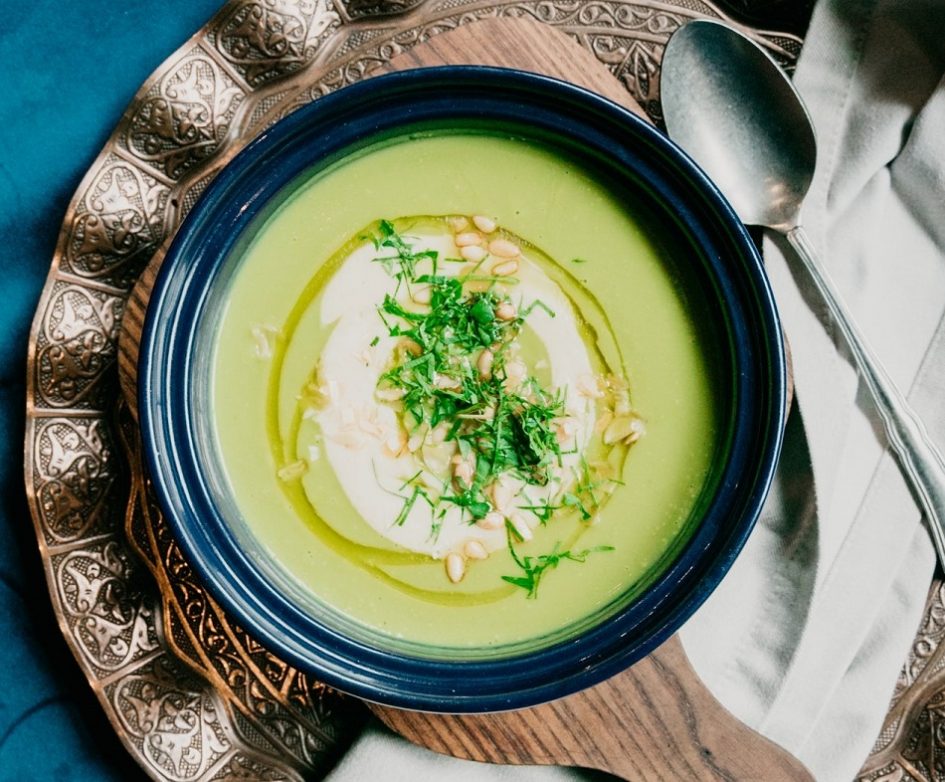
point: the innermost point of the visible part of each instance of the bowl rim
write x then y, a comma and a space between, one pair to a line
234, 198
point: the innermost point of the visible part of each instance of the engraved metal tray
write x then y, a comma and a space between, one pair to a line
190, 694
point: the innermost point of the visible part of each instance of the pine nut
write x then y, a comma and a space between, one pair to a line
422, 295
506, 311
417, 438
492, 520
502, 494
395, 445
458, 224
264, 337
455, 567
520, 525
475, 550
638, 430
410, 346
588, 386
515, 373
505, 268
565, 428
437, 460
445, 382
463, 472
618, 429
484, 363
292, 471
389, 394
473, 253
468, 238
485, 224
504, 248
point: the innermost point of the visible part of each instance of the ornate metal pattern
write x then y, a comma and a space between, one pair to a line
117, 224
110, 619
911, 745
74, 479
267, 41
184, 117
76, 344
191, 695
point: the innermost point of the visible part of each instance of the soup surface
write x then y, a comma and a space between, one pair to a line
460, 396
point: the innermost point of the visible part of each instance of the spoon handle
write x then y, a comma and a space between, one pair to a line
920, 460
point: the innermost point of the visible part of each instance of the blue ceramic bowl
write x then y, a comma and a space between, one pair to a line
173, 380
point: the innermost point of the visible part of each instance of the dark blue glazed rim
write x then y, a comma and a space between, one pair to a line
636, 155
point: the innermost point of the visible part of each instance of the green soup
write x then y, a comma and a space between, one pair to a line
623, 282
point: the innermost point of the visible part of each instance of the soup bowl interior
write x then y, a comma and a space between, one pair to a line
725, 287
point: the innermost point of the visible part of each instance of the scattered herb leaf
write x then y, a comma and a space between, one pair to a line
533, 568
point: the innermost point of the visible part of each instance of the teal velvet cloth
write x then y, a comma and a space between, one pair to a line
71, 68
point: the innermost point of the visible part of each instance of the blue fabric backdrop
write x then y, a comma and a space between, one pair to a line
71, 69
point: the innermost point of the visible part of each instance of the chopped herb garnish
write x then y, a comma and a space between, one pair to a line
408, 506
544, 511
537, 303
411, 499
570, 500
533, 568
405, 257
471, 500
457, 375
493, 419
436, 525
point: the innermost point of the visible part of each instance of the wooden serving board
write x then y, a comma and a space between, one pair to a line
655, 721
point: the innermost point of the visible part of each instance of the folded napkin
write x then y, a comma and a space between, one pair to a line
805, 637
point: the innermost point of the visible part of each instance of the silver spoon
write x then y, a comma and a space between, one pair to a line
728, 104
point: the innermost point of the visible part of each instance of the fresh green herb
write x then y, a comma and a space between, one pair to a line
471, 500
537, 303
404, 255
436, 525
501, 419
586, 490
504, 428
409, 502
543, 511
410, 480
533, 568
411, 499
570, 500
375, 341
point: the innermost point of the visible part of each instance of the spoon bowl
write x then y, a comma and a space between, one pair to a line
763, 159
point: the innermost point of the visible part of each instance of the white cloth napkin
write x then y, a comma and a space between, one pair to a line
805, 637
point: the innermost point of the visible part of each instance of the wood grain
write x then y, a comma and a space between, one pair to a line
655, 721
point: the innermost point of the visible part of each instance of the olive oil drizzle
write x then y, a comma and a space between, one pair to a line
284, 449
